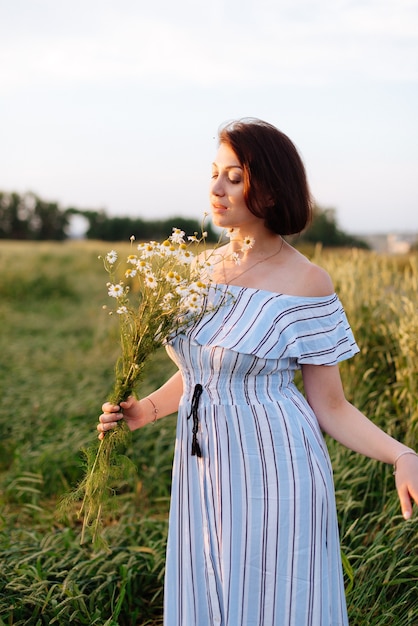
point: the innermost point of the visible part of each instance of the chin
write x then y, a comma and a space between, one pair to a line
218, 221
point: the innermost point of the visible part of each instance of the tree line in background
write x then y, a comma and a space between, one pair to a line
28, 217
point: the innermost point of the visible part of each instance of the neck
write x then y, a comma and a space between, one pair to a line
250, 261
264, 244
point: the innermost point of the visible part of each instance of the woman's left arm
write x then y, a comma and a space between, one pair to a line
342, 421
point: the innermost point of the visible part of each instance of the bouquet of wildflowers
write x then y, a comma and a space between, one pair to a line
161, 291
165, 291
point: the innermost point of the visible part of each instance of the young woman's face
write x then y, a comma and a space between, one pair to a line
229, 208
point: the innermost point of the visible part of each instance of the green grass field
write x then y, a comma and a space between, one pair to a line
57, 352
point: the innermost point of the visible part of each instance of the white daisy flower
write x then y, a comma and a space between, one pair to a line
205, 267
111, 257
122, 310
247, 244
183, 291
115, 291
167, 301
143, 267
130, 273
199, 287
236, 258
147, 249
167, 248
177, 236
150, 280
173, 278
192, 303
185, 256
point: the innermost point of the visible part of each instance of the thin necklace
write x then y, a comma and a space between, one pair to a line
253, 265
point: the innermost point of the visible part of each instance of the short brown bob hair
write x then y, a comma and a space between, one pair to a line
275, 183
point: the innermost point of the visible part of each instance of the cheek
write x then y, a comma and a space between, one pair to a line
240, 199
236, 194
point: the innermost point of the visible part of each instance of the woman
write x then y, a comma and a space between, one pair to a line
253, 538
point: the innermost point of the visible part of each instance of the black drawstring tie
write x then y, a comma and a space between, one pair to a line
198, 390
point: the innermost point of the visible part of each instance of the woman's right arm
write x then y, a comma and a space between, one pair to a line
137, 413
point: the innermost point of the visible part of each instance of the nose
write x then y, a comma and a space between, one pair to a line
217, 187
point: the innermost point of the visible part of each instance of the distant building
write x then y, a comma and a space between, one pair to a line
392, 243
396, 245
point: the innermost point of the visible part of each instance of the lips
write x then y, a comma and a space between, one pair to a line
218, 207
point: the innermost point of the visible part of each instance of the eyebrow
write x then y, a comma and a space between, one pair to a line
229, 167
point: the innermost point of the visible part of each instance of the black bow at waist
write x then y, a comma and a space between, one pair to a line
198, 390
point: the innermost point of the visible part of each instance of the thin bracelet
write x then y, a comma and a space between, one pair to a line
399, 456
155, 409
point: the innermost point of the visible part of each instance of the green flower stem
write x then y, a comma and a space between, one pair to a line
103, 469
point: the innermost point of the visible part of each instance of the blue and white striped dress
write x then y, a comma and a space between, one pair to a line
253, 537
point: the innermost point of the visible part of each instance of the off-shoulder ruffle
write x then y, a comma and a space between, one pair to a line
306, 330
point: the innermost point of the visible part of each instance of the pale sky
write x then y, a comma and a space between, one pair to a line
115, 104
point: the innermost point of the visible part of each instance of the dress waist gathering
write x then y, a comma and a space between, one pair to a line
246, 390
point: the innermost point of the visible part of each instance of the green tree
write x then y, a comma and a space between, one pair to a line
48, 221
107, 228
28, 217
14, 216
324, 229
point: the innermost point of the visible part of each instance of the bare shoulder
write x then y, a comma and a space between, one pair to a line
318, 281
307, 278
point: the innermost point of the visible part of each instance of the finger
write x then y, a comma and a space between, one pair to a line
108, 407
105, 418
126, 404
103, 430
105, 426
405, 500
